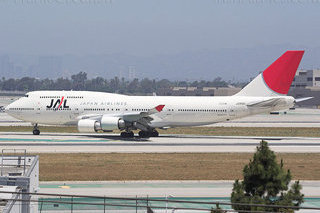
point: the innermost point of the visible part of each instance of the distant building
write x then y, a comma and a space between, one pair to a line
132, 73
306, 83
6, 66
306, 78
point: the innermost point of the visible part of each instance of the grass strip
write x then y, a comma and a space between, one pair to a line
154, 166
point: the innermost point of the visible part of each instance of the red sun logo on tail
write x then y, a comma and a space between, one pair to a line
280, 74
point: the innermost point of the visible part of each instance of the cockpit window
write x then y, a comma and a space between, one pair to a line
26, 95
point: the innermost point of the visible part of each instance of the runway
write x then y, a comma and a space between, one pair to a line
112, 143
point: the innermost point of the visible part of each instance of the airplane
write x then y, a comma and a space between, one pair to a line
104, 112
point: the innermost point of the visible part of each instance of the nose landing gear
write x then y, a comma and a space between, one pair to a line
36, 130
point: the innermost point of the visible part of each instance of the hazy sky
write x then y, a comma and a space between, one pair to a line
144, 27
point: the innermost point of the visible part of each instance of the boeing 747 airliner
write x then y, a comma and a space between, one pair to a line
102, 112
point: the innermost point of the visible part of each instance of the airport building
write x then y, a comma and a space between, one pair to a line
306, 78
306, 83
19, 176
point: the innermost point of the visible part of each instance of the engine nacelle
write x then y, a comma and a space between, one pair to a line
87, 125
112, 123
107, 123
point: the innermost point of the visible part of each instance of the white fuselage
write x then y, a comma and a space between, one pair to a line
67, 107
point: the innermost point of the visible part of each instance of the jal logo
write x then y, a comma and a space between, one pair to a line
57, 104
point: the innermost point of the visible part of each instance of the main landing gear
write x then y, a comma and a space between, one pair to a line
142, 134
145, 134
36, 130
127, 134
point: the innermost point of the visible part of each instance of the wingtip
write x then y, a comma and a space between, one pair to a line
159, 108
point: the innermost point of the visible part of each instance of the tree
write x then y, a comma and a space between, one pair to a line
9, 85
218, 82
96, 84
62, 84
266, 182
115, 84
147, 85
133, 86
78, 81
164, 83
47, 84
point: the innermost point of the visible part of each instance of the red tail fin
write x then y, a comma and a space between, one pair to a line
279, 75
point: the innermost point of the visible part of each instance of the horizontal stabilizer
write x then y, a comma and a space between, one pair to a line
268, 103
302, 99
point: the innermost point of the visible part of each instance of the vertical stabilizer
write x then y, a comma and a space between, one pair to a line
277, 78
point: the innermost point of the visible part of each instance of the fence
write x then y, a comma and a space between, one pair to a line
81, 203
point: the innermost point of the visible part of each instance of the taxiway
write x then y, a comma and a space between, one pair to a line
112, 143
203, 188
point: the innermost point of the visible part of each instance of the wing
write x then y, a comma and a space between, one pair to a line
132, 117
141, 119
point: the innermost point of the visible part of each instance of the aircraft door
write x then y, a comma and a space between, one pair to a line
38, 108
232, 111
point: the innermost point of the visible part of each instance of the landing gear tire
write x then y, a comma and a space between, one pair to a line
127, 134
36, 132
144, 134
131, 134
154, 133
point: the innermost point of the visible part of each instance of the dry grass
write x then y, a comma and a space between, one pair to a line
222, 131
248, 131
184, 166
62, 129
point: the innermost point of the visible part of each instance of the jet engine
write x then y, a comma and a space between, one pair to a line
106, 124
87, 125
111, 123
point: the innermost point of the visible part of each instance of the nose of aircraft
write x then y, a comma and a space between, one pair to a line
11, 108
7, 109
